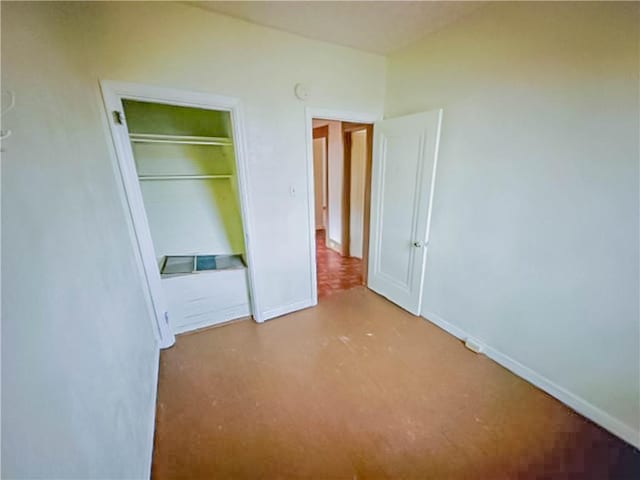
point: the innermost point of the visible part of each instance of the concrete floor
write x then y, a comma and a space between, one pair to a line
357, 388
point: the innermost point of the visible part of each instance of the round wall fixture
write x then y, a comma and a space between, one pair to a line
301, 91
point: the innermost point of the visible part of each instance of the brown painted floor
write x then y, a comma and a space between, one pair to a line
358, 388
335, 272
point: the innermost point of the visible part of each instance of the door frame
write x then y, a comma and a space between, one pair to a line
113, 93
328, 114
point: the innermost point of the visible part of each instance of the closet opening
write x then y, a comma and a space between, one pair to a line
179, 159
186, 168
342, 157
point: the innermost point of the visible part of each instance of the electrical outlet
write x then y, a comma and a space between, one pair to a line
474, 345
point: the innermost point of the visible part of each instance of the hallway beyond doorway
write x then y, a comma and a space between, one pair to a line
335, 272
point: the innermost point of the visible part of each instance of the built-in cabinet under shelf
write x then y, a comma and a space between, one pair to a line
204, 290
179, 139
207, 298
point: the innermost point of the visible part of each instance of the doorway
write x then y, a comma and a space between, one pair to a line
342, 154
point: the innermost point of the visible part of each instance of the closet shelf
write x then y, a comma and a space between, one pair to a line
181, 139
181, 177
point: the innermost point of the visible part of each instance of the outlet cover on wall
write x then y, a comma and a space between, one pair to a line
474, 345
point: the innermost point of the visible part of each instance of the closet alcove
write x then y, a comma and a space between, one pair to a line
186, 166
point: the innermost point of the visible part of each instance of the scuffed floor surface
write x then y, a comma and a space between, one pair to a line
357, 388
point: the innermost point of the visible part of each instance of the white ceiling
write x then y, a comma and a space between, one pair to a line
377, 27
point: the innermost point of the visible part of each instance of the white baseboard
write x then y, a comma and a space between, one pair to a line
579, 404
152, 417
292, 307
446, 326
335, 246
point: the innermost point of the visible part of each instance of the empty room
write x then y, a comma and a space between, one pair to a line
320, 240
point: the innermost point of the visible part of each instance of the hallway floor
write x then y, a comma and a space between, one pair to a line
335, 272
357, 388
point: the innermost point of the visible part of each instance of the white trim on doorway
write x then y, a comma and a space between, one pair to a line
326, 114
113, 93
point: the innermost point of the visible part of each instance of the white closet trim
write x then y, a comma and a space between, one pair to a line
113, 93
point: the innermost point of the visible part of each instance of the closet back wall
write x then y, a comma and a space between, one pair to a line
78, 355
187, 216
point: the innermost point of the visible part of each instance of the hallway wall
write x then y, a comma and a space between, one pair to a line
335, 180
319, 180
356, 207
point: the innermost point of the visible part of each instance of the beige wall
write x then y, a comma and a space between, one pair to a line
534, 242
335, 174
358, 176
79, 355
319, 180
150, 43
78, 350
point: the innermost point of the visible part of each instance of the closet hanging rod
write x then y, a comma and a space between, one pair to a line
182, 139
181, 177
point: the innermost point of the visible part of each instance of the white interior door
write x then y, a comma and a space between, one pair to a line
404, 165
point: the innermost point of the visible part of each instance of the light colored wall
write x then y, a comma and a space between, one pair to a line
534, 244
150, 43
358, 170
335, 179
319, 172
78, 352
79, 356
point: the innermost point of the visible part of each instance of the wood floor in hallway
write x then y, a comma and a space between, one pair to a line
357, 388
335, 272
